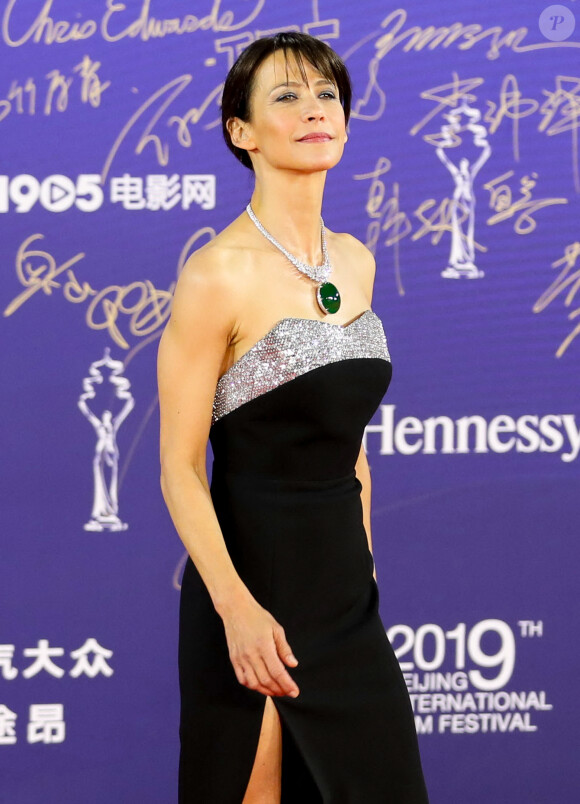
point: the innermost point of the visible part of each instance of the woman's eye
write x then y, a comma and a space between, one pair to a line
292, 95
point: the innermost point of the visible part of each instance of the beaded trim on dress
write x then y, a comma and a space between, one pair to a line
293, 347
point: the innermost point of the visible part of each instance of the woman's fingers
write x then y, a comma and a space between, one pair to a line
266, 674
253, 682
259, 675
250, 674
258, 648
282, 646
266, 678
280, 675
240, 675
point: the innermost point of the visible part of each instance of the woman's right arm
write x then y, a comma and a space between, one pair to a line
190, 356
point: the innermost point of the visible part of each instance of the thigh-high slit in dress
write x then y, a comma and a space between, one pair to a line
288, 420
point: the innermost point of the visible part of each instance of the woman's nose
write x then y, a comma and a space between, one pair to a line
313, 109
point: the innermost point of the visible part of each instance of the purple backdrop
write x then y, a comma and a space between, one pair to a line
462, 174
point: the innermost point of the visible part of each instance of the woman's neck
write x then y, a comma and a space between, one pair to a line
289, 207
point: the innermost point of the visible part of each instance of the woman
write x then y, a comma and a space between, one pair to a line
281, 370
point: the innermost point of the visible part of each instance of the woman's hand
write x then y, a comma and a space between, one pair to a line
258, 647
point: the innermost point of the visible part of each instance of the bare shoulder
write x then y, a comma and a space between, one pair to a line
212, 279
214, 264
356, 247
358, 255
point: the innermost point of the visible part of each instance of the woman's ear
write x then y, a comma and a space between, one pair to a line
240, 134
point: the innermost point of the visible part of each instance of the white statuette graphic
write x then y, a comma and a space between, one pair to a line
462, 254
105, 513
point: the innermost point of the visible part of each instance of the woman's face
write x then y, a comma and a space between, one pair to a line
294, 124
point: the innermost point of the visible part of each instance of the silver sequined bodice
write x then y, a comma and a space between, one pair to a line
294, 346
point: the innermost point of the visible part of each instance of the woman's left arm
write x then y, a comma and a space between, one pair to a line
363, 258
360, 256
364, 476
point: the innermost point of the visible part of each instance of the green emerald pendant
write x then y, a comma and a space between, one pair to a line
328, 297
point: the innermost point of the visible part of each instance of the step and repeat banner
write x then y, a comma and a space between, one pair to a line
462, 175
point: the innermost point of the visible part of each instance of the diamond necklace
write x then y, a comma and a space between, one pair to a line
327, 294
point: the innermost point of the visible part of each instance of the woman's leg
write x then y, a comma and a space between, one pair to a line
264, 786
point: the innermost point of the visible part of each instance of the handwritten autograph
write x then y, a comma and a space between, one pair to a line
563, 101
49, 31
57, 92
391, 34
564, 281
385, 215
501, 199
156, 105
147, 306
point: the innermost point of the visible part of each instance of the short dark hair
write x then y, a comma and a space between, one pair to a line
239, 82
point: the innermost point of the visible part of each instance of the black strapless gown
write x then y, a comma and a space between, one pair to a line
288, 421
